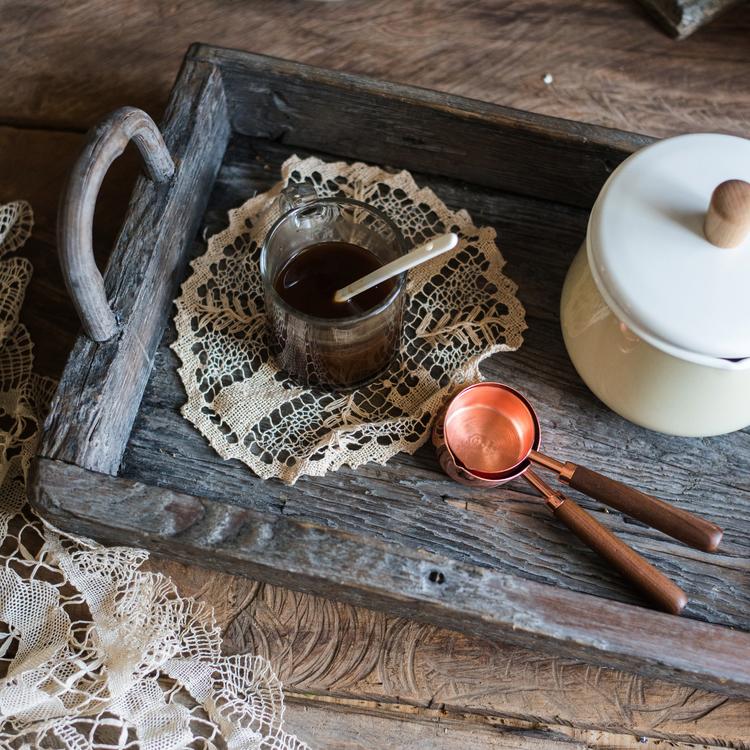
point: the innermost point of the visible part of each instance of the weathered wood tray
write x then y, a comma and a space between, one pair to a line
120, 464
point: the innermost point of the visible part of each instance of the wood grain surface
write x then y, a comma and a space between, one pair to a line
324, 649
363, 725
65, 65
419, 130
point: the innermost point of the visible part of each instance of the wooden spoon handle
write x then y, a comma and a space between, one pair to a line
674, 522
76, 212
662, 591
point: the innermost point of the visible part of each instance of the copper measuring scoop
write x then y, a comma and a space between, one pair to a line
476, 432
495, 435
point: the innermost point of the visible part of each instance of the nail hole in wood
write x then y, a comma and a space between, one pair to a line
436, 576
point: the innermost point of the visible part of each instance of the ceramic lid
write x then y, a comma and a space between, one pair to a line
650, 258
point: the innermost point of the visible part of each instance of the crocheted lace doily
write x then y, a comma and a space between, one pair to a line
461, 309
94, 652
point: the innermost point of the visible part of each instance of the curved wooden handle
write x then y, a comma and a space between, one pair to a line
663, 592
76, 212
727, 222
674, 522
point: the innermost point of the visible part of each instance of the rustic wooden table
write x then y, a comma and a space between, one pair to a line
357, 678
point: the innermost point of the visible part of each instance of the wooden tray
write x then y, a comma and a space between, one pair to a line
120, 464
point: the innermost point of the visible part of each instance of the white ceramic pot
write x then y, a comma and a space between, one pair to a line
655, 317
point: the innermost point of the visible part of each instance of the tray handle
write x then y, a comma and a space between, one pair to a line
105, 142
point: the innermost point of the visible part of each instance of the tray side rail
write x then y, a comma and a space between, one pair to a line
100, 391
288, 552
417, 129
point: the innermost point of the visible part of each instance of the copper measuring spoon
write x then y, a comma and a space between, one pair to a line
663, 592
496, 435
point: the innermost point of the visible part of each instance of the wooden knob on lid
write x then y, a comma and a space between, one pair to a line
727, 221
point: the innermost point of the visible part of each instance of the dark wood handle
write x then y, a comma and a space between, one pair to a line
76, 213
674, 522
663, 592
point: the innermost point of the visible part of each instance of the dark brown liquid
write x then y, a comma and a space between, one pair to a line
310, 279
322, 352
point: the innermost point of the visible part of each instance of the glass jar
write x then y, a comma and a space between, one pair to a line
336, 353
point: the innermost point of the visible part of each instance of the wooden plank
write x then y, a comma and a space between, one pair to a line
97, 399
402, 580
416, 129
337, 726
409, 502
322, 647
333, 722
610, 64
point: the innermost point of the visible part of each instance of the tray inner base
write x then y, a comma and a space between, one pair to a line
410, 503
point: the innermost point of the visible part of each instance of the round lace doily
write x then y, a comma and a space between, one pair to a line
461, 309
96, 653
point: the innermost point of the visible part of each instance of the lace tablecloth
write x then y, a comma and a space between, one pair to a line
95, 652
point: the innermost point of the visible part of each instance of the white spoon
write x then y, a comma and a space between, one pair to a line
431, 249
